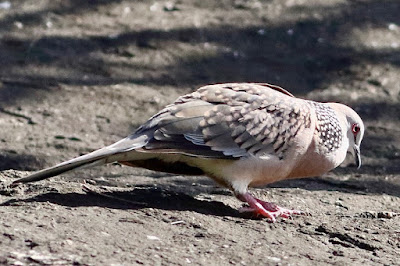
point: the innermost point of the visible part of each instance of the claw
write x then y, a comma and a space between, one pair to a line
268, 210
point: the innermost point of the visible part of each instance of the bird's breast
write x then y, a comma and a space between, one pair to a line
316, 162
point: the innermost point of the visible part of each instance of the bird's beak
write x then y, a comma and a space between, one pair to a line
357, 156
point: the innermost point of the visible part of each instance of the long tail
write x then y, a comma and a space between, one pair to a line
109, 154
98, 157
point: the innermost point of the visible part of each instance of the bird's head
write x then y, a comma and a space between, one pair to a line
355, 133
354, 127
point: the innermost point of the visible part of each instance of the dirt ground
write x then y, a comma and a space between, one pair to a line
78, 75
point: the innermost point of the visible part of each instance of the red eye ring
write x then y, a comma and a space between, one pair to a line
355, 128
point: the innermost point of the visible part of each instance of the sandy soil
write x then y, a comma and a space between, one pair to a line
78, 75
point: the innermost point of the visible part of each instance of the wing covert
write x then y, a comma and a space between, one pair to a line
233, 120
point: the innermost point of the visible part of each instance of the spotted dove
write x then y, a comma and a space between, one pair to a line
240, 135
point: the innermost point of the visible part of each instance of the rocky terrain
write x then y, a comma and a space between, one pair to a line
78, 75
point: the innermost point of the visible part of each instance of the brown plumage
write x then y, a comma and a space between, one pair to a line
239, 134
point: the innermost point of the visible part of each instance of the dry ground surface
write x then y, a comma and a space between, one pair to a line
78, 75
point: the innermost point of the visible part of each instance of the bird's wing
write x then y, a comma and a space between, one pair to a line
227, 120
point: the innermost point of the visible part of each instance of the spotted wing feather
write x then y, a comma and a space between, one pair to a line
229, 120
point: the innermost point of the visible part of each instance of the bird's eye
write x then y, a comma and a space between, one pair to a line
355, 128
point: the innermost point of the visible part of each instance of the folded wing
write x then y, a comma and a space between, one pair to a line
227, 121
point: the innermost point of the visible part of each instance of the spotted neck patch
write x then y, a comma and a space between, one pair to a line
328, 127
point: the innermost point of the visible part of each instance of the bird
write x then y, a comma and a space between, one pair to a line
240, 135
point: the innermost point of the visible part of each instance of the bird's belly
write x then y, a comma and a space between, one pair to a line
311, 166
255, 171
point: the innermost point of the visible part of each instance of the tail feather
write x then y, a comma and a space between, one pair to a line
98, 157
109, 154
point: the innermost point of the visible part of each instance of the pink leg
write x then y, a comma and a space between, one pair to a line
265, 209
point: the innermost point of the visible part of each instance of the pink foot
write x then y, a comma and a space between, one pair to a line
265, 209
